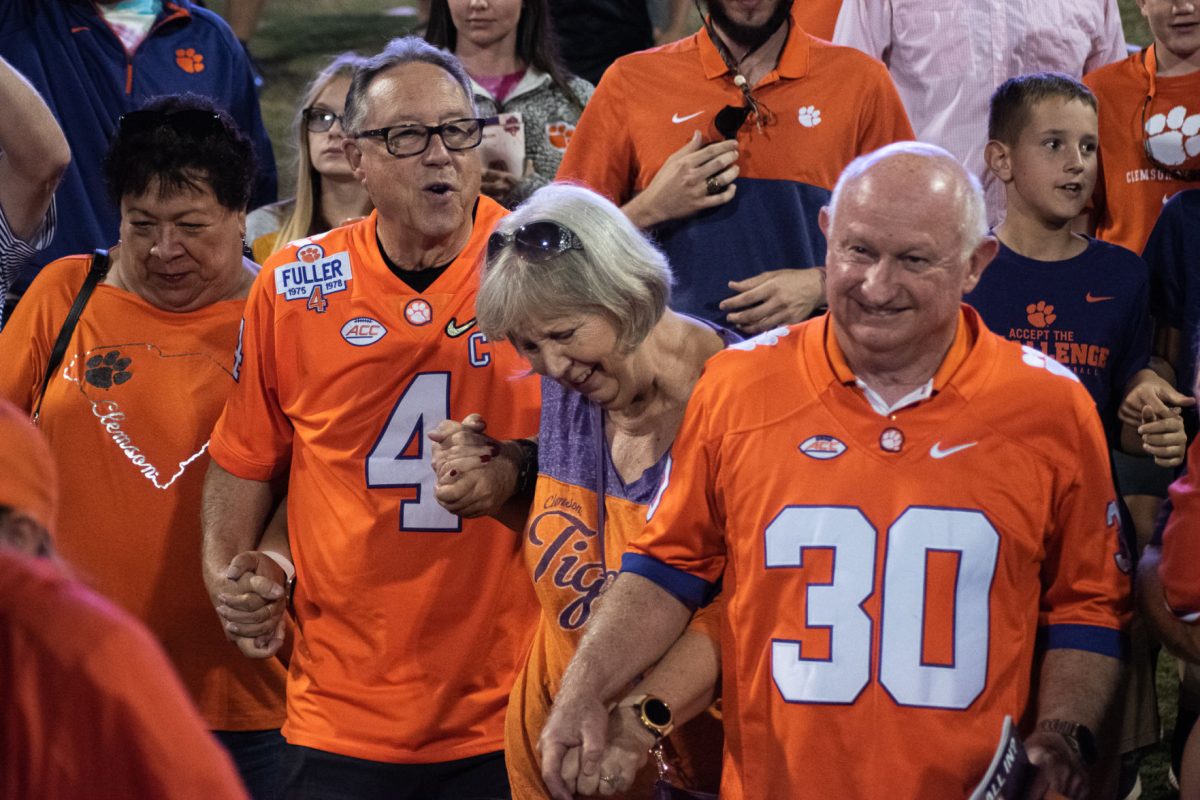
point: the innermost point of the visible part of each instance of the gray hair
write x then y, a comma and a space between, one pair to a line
398, 52
973, 225
618, 274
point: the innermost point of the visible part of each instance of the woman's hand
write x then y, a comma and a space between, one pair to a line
628, 748
476, 474
253, 614
681, 187
1163, 437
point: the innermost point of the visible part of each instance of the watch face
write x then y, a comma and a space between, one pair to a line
657, 712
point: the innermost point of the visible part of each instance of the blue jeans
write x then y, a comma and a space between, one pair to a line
307, 773
256, 754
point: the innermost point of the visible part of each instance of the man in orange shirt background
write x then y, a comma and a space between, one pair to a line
876, 601
411, 622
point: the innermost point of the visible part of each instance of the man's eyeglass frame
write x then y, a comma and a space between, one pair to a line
429, 131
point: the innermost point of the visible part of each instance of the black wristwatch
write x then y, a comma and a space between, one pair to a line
654, 713
1079, 737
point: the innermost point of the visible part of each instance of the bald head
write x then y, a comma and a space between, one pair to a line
920, 173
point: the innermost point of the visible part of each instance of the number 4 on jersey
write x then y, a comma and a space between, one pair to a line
402, 456
316, 301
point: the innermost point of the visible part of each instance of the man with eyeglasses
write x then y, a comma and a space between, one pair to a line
726, 144
410, 621
1149, 124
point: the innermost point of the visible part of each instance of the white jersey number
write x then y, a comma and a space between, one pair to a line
838, 604
420, 409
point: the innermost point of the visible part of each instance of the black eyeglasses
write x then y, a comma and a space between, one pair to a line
1185, 175
319, 120
412, 140
194, 122
536, 242
730, 119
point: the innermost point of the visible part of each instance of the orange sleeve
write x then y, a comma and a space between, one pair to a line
601, 153
1087, 588
253, 437
1179, 568
682, 547
884, 120
28, 337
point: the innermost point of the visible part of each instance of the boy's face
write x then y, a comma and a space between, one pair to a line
1174, 23
1052, 166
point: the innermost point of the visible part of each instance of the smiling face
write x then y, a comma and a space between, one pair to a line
486, 24
581, 352
1052, 167
428, 197
1175, 25
183, 251
325, 151
896, 273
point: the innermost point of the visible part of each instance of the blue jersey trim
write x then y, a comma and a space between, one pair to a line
1092, 638
693, 592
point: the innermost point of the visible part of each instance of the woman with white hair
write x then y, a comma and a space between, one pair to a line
583, 295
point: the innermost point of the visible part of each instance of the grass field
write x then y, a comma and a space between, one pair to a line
296, 36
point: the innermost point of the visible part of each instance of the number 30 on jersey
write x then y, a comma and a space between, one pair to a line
838, 605
421, 408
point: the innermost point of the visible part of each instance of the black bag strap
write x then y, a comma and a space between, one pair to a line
99, 268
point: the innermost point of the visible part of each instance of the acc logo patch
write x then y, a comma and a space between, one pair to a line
822, 447
418, 312
313, 273
362, 331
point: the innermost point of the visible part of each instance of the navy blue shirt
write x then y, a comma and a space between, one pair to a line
1090, 313
1173, 256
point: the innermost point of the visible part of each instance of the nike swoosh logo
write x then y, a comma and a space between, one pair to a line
678, 119
1091, 298
454, 331
937, 452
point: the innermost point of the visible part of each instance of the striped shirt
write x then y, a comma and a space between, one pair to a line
15, 253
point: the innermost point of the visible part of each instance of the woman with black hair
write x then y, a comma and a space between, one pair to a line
144, 374
509, 51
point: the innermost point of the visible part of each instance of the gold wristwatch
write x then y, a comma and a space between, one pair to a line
654, 713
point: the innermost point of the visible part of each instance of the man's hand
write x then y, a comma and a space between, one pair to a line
1149, 389
1164, 438
571, 746
771, 299
628, 747
253, 604
1060, 768
476, 474
680, 188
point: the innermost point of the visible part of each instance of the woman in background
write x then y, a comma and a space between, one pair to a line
508, 49
327, 193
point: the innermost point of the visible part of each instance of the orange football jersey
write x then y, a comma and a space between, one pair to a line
885, 576
410, 621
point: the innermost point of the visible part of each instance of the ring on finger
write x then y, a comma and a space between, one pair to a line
611, 780
714, 186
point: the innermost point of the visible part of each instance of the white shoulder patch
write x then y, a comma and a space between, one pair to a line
1036, 358
312, 270
766, 339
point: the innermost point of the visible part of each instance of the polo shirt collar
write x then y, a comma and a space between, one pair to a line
793, 61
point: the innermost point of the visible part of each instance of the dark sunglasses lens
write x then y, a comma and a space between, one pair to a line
495, 244
543, 237
730, 119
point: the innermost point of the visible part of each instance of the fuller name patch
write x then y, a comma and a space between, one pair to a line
311, 271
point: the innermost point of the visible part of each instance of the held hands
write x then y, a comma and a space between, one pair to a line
1061, 771
681, 187
629, 744
476, 474
572, 745
771, 299
1153, 406
252, 604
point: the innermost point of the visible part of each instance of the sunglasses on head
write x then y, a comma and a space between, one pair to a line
193, 122
535, 242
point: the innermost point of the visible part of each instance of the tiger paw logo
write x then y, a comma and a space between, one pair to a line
107, 370
559, 134
809, 116
189, 60
1040, 314
418, 313
1172, 137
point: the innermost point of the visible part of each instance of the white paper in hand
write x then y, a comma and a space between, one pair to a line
503, 145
